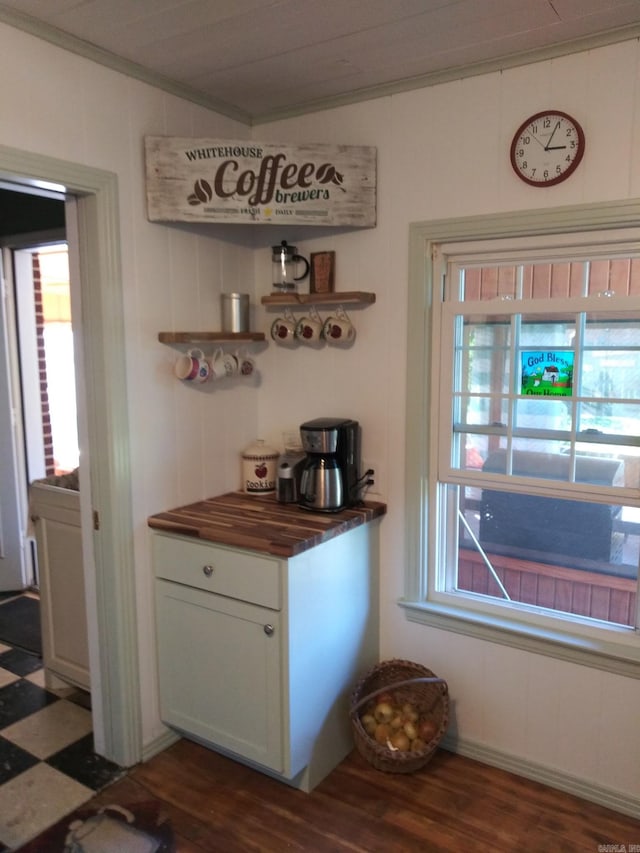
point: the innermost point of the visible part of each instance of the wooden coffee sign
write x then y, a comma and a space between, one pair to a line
226, 180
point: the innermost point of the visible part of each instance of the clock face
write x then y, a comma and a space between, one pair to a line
547, 148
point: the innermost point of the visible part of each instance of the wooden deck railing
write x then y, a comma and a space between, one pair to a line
599, 596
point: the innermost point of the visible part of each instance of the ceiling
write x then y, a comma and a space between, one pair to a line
256, 60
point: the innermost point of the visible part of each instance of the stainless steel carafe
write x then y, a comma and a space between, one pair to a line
321, 486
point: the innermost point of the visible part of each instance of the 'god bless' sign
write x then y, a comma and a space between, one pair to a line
225, 180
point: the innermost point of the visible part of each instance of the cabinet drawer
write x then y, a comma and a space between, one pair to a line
225, 571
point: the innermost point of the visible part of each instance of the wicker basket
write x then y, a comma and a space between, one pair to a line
410, 682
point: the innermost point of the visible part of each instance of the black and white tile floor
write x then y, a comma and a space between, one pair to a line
47, 764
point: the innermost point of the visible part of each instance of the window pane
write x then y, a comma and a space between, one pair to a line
620, 419
611, 373
549, 335
567, 556
481, 283
482, 411
554, 280
611, 360
616, 276
483, 354
534, 413
612, 333
477, 448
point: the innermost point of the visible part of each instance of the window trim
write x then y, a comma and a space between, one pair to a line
420, 524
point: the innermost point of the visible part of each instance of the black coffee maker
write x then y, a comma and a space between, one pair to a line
329, 479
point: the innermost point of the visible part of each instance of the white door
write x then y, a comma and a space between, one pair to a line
13, 499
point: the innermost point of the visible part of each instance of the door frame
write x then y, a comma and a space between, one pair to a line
112, 627
14, 546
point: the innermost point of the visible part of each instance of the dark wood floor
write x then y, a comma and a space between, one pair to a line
453, 804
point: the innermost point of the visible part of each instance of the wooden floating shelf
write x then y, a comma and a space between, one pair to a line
208, 337
348, 297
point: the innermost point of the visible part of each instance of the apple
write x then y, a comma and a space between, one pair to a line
400, 741
410, 730
387, 696
410, 712
261, 471
383, 712
427, 729
369, 724
381, 733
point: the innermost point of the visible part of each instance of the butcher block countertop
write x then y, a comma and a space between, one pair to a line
260, 523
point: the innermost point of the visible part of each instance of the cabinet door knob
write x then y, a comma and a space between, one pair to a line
268, 629
208, 570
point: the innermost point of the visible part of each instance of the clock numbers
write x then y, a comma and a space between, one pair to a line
547, 148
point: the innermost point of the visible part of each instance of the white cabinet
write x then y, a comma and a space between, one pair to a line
55, 514
258, 655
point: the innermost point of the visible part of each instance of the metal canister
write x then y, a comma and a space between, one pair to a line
234, 312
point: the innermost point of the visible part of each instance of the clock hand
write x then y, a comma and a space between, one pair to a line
553, 133
554, 147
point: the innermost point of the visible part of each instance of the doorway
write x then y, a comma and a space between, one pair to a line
93, 227
37, 394
46, 358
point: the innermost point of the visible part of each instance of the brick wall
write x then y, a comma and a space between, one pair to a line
42, 369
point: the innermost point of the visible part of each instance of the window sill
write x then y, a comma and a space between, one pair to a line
610, 656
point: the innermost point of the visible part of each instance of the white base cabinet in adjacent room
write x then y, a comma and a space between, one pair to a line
258, 655
55, 514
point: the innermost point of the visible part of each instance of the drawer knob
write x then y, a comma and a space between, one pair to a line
268, 629
208, 570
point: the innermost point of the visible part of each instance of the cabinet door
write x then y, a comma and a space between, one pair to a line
65, 645
220, 671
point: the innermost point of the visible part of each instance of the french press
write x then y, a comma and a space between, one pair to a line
285, 260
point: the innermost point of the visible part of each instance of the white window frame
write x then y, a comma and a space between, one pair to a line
611, 648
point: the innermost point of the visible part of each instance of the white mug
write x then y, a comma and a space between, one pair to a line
192, 367
246, 365
283, 330
230, 364
338, 329
309, 328
219, 365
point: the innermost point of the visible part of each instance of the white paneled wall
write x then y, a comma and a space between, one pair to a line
444, 152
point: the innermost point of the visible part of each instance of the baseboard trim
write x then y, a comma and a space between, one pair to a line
606, 797
159, 744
